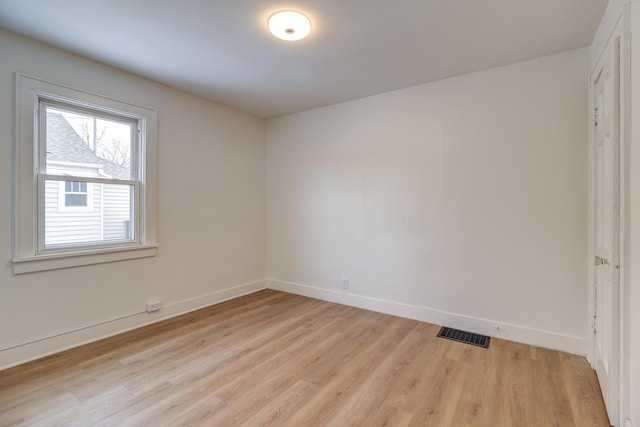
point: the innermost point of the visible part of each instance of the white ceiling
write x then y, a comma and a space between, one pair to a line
221, 49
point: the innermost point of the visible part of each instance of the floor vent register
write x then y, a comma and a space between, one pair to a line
464, 337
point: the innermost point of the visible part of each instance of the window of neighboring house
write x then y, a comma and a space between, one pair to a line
85, 178
75, 196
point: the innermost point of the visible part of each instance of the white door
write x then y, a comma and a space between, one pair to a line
607, 228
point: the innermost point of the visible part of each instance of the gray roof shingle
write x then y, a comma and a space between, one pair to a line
64, 144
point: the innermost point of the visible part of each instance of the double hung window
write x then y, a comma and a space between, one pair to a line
85, 174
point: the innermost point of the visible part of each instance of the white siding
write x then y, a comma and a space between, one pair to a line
117, 202
63, 227
70, 227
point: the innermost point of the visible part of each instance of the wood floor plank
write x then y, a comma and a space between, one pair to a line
269, 378
229, 373
273, 413
197, 415
343, 381
277, 334
583, 391
441, 395
276, 359
47, 407
389, 416
88, 413
121, 346
372, 393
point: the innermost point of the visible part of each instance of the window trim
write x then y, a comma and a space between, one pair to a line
29, 91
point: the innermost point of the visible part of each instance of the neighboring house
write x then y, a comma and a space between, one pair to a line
77, 212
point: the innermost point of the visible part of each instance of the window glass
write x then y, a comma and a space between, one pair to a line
80, 141
94, 214
75, 194
95, 150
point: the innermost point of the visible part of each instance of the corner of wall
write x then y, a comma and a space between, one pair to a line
506, 331
612, 14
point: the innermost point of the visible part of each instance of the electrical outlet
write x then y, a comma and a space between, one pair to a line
153, 305
345, 283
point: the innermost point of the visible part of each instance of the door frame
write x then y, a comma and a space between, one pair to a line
620, 33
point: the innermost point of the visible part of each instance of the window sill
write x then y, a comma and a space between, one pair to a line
85, 257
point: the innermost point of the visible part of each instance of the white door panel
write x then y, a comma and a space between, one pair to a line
607, 228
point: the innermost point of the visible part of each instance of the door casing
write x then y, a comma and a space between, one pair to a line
619, 34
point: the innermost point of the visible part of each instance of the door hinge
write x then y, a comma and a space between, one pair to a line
595, 117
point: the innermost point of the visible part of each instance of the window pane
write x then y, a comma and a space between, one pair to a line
75, 199
75, 187
103, 215
85, 145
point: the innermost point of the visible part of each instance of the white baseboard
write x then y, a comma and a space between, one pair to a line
507, 331
37, 349
50, 345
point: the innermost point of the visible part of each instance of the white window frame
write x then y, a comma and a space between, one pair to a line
29, 251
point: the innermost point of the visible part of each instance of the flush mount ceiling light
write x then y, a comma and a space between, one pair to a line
289, 25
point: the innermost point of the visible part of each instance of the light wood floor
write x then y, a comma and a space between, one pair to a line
272, 358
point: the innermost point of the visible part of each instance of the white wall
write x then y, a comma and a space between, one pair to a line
211, 225
462, 201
